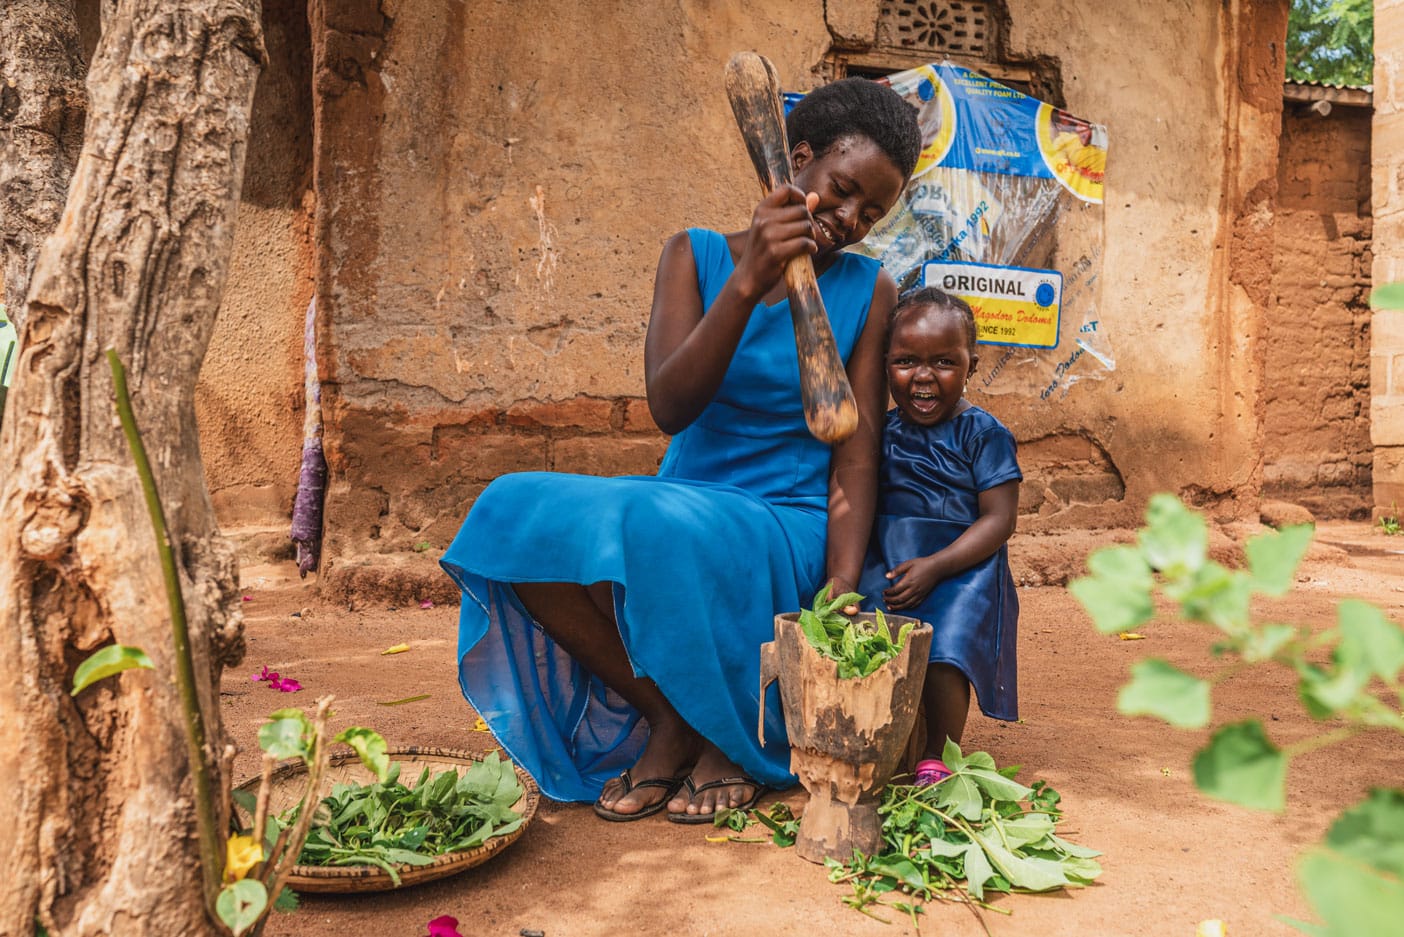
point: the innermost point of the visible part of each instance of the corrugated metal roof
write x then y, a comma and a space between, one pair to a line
1327, 84
1344, 95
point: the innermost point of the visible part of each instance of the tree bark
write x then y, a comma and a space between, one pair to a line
97, 821
42, 105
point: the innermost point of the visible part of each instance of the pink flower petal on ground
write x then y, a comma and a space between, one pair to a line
426, 604
248, 598
289, 686
259, 677
444, 926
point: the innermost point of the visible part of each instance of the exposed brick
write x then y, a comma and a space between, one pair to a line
1088, 489
484, 456
1396, 374
608, 455
1061, 449
590, 414
636, 416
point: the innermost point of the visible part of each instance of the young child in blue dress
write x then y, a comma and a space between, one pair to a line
948, 497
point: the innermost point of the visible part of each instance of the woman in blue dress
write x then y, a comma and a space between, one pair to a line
948, 498
610, 627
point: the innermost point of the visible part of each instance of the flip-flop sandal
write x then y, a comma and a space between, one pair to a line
931, 771
694, 789
669, 786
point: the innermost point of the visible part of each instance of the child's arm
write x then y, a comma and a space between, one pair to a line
686, 353
853, 466
914, 579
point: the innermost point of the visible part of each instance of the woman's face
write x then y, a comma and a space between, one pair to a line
856, 183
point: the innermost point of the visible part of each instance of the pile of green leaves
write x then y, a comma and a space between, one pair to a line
386, 823
1352, 674
977, 832
859, 647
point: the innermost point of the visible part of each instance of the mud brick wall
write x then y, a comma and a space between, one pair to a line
1316, 372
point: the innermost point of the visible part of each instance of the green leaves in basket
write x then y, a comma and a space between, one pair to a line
859, 647
387, 824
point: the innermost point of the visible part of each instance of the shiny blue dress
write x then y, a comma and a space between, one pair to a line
928, 495
730, 532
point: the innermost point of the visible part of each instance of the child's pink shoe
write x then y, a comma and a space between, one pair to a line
931, 771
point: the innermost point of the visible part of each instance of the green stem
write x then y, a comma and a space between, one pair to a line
211, 854
1320, 741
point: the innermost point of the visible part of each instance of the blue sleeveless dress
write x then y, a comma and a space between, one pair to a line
730, 532
928, 494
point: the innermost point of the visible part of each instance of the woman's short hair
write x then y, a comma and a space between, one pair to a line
857, 106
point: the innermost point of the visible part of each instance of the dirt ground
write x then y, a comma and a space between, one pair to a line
1172, 858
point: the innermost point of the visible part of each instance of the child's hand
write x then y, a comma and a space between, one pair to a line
913, 582
781, 229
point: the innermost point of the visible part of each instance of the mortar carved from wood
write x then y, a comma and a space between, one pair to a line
846, 734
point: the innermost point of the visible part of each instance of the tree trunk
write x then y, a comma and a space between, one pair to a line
41, 130
97, 820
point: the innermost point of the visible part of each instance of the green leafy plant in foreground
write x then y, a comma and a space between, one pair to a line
859, 647
387, 824
975, 833
1349, 674
258, 866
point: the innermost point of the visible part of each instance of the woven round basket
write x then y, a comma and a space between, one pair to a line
345, 767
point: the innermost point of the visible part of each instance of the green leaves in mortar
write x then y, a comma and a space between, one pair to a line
859, 647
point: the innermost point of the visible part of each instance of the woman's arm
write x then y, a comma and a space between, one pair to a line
999, 511
686, 353
853, 466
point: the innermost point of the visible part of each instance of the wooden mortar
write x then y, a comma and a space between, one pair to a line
846, 734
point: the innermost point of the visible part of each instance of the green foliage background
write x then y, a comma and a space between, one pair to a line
1331, 41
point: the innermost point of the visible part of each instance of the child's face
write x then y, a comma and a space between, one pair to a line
928, 362
856, 183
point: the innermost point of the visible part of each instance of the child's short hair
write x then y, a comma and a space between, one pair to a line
931, 296
857, 106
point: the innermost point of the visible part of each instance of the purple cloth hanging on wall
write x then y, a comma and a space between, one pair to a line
312, 476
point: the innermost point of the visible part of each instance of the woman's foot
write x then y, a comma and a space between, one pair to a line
671, 751
709, 797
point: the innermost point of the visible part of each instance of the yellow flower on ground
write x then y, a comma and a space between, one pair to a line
241, 854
